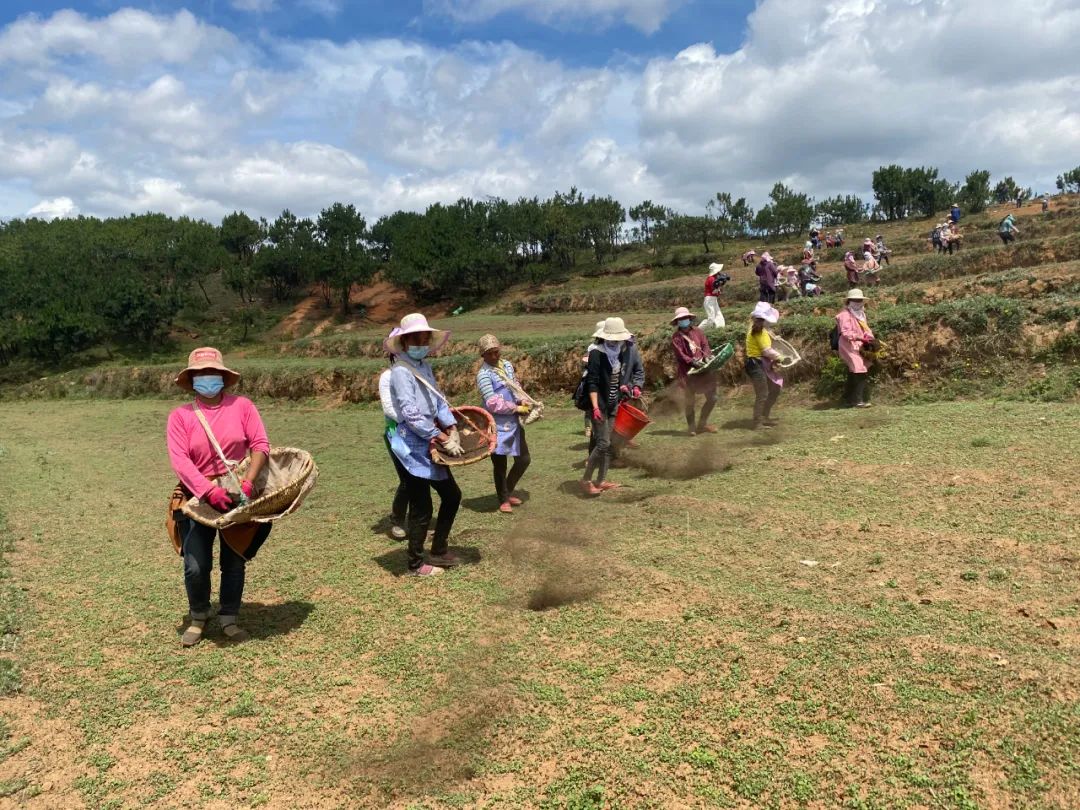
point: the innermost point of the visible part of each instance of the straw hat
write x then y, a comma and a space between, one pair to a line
613, 329
715, 268
766, 256
682, 312
766, 312
206, 358
410, 325
855, 294
487, 343
599, 328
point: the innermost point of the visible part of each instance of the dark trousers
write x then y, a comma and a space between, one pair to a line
602, 452
855, 387
506, 484
766, 391
1006, 237
197, 547
706, 408
767, 294
400, 506
420, 509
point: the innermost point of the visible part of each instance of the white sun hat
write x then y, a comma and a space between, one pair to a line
766, 312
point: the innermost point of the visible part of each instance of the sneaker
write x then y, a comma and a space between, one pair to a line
864, 405
234, 632
691, 432
397, 532
771, 422
506, 507
606, 485
762, 426
706, 429
514, 501
447, 559
425, 571
589, 488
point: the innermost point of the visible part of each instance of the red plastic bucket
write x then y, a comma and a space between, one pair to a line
629, 421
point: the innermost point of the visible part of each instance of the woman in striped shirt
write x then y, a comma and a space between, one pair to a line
496, 381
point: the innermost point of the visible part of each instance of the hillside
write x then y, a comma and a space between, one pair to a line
987, 320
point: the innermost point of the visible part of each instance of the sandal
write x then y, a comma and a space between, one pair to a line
194, 633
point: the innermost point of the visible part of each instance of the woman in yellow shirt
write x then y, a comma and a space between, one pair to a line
760, 356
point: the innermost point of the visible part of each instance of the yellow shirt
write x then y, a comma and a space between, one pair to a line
757, 344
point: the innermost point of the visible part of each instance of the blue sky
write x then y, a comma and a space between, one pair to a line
207, 106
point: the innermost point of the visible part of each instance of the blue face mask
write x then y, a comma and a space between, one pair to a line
418, 352
683, 323
208, 385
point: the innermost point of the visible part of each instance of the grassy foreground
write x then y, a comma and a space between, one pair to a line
860, 609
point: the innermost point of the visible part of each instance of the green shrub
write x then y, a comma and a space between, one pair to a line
830, 384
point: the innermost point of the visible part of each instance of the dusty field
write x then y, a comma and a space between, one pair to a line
872, 609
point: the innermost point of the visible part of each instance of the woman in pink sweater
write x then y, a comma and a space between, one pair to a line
855, 337
239, 430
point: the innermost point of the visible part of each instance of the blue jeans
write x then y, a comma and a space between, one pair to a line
198, 550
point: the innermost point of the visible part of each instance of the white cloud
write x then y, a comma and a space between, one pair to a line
646, 15
135, 111
125, 38
254, 6
58, 208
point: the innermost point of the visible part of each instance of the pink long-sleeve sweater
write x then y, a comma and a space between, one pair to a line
236, 424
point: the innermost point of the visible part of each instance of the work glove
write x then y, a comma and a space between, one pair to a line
597, 415
637, 392
219, 499
524, 409
624, 389
452, 445
698, 363
247, 488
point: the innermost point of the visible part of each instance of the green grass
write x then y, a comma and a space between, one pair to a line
928, 659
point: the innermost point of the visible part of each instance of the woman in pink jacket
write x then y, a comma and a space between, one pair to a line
855, 337
239, 430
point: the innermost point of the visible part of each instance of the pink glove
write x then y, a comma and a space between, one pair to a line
247, 488
597, 415
219, 499
637, 392
625, 389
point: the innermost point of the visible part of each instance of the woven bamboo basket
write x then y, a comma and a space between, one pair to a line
476, 427
289, 475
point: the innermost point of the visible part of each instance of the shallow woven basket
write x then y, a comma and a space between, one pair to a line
289, 475
476, 427
716, 361
789, 355
535, 415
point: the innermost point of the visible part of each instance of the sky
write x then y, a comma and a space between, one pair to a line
203, 107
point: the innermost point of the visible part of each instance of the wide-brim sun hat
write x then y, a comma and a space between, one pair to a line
599, 328
855, 294
766, 312
411, 324
766, 256
614, 329
206, 359
715, 268
682, 312
487, 343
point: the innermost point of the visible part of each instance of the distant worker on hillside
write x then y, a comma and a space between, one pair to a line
954, 213
1007, 230
714, 288
1045, 203
767, 273
1019, 199
749, 257
692, 351
851, 267
882, 251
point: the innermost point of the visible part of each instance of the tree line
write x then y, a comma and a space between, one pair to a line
73, 284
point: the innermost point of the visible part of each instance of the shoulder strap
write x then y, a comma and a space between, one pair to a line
428, 385
213, 441
513, 385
